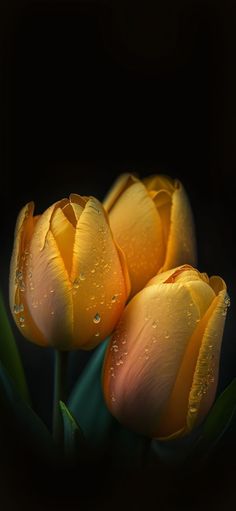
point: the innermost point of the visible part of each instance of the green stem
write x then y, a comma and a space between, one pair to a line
60, 371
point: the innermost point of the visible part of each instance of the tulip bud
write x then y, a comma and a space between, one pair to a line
68, 278
161, 366
152, 222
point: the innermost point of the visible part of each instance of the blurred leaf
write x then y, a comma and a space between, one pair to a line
19, 415
73, 436
100, 428
87, 403
219, 418
9, 355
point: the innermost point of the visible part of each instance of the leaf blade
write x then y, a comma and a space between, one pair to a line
9, 354
73, 436
19, 413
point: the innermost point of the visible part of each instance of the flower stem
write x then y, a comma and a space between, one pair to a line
60, 371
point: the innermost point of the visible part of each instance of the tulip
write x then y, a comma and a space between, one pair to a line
161, 366
68, 277
152, 222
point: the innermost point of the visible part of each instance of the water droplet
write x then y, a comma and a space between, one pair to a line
193, 408
97, 318
52, 290
113, 399
18, 308
52, 313
114, 298
82, 275
114, 348
92, 297
119, 362
76, 283
167, 336
19, 275
93, 270
97, 334
154, 324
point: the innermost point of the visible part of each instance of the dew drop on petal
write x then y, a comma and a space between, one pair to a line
97, 318
76, 283
193, 408
18, 308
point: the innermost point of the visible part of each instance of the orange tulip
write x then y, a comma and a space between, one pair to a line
68, 278
161, 366
152, 222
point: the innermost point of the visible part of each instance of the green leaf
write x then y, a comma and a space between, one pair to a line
87, 403
17, 412
219, 418
73, 436
9, 355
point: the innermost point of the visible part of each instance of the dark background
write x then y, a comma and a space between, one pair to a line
90, 89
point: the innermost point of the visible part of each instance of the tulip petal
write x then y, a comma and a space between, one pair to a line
121, 184
205, 378
64, 234
170, 276
136, 225
124, 270
195, 384
145, 353
163, 203
181, 246
78, 204
100, 288
159, 182
19, 264
48, 288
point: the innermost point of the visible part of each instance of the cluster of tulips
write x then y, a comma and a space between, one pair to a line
83, 271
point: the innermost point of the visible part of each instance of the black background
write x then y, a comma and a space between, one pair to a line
90, 89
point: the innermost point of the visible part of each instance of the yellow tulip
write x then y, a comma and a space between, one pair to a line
68, 278
161, 366
152, 222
